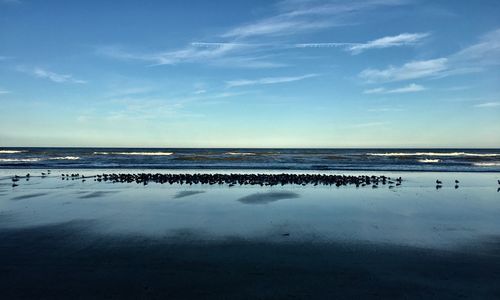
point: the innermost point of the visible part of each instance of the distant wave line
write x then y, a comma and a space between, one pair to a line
135, 153
426, 161
11, 151
35, 159
487, 164
240, 153
392, 154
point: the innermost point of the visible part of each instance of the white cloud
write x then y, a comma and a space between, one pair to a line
267, 80
198, 92
4, 92
410, 70
296, 17
55, 77
403, 39
487, 104
486, 51
411, 88
475, 58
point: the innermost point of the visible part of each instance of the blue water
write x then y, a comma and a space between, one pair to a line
462, 160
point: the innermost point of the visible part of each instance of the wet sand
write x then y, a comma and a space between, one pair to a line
89, 240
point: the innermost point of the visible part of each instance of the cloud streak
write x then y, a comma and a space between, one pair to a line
487, 105
52, 76
403, 39
267, 80
477, 57
411, 88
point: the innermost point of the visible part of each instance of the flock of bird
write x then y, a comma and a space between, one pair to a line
239, 179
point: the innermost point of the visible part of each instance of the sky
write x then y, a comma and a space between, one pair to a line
291, 73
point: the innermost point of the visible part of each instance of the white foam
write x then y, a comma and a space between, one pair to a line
427, 161
239, 153
135, 153
65, 158
487, 164
11, 151
389, 154
19, 159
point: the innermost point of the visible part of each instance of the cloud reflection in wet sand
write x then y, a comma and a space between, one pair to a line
183, 194
264, 198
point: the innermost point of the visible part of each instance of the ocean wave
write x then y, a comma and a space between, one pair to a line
427, 161
396, 154
240, 153
487, 164
65, 158
135, 153
20, 159
11, 151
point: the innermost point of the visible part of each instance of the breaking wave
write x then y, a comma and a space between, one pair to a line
11, 151
240, 153
427, 161
487, 164
135, 153
19, 159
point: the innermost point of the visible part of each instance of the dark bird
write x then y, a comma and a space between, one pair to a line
439, 182
456, 186
457, 182
43, 174
438, 187
14, 185
498, 181
15, 179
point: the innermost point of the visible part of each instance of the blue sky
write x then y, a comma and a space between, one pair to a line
293, 73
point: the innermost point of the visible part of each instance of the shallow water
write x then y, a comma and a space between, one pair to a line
413, 214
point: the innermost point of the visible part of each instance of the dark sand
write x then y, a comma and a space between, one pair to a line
68, 261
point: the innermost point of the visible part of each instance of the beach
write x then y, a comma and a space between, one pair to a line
89, 239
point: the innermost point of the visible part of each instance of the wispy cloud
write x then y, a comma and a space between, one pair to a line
239, 47
403, 39
474, 58
267, 80
410, 70
487, 104
2, 92
411, 88
52, 76
302, 16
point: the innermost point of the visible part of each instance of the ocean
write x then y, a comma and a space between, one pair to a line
443, 160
